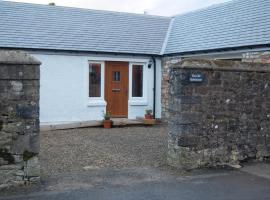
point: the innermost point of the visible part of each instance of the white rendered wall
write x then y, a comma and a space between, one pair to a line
64, 88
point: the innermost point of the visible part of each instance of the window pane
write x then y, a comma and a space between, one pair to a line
116, 76
94, 80
137, 80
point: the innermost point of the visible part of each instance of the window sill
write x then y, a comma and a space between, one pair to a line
138, 103
95, 103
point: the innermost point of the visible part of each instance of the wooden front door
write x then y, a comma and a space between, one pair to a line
116, 88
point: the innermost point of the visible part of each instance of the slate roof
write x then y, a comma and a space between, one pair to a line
34, 26
236, 23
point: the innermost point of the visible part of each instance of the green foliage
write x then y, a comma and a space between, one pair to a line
13, 114
106, 116
148, 112
27, 155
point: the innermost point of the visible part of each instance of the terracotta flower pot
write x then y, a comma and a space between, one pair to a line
148, 116
107, 124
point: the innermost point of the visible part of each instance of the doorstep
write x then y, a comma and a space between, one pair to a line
85, 124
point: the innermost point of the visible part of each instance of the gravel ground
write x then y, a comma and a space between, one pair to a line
94, 148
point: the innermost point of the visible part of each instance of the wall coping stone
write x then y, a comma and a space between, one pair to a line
17, 57
221, 65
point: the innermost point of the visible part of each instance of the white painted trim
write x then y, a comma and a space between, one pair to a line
97, 55
133, 101
123, 59
96, 101
167, 37
138, 100
137, 103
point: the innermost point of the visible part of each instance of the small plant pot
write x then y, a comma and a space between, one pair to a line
148, 116
107, 123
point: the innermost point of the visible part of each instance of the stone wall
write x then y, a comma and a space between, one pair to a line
19, 118
219, 113
251, 57
257, 57
167, 62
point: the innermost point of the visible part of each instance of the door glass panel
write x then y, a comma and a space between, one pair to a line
116, 76
137, 80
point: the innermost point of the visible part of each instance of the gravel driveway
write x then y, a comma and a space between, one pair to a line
93, 148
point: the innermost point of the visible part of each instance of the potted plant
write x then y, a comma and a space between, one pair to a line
148, 117
107, 122
148, 114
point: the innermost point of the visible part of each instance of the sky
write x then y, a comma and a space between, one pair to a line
153, 7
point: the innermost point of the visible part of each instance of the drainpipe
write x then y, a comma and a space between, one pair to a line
154, 88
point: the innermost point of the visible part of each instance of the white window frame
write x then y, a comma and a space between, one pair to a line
140, 101
97, 101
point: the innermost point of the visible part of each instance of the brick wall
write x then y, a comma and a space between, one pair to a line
218, 113
19, 118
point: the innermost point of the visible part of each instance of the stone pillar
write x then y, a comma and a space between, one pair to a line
219, 113
167, 62
19, 118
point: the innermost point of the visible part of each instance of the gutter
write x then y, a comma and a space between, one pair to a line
241, 49
77, 52
154, 88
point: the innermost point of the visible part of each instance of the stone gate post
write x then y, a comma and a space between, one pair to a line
19, 118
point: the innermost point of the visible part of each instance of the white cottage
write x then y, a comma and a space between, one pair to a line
81, 87
97, 61
92, 61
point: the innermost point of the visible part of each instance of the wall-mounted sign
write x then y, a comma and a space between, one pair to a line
196, 77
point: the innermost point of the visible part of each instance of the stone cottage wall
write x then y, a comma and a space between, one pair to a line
219, 113
19, 118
